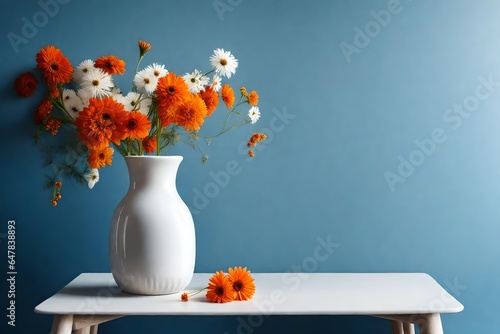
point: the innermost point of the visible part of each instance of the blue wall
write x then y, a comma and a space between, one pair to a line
368, 147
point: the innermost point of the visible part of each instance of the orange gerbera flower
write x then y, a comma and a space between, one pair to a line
211, 99
172, 91
184, 297
55, 67
102, 122
54, 92
137, 125
191, 114
227, 95
220, 289
149, 144
242, 283
253, 98
52, 125
110, 64
100, 157
144, 47
167, 116
25, 84
43, 111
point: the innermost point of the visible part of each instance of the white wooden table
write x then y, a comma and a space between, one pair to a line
404, 298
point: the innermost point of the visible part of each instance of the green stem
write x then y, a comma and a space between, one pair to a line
121, 150
211, 71
134, 89
158, 135
224, 128
59, 104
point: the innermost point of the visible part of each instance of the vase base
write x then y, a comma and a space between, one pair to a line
151, 286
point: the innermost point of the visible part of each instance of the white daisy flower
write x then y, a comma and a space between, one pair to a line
84, 95
216, 83
68, 95
157, 70
145, 80
254, 114
195, 81
118, 97
144, 105
224, 62
72, 103
85, 67
136, 102
98, 83
92, 177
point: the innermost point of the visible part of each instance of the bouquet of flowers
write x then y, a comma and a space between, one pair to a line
161, 108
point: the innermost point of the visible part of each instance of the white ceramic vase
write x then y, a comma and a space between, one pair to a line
152, 245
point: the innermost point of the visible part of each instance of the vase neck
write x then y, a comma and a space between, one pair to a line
153, 170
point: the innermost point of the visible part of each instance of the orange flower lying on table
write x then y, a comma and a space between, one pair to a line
219, 289
238, 284
96, 118
242, 283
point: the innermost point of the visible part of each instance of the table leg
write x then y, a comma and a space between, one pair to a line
62, 324
408, 328
429, 323
81, 321
403, 323
85, 330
